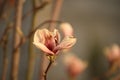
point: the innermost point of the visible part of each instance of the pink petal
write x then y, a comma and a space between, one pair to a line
67, 42
43, 48
38, 36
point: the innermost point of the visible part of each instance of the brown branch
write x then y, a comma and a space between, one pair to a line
16, 41
5, 58
6, 31
46, 71
55, 14
3, 4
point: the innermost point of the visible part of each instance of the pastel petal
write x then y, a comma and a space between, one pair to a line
67, 42
43, 48
38, 36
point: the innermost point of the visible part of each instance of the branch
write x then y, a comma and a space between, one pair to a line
48, 67
6, 31
56, 12
5, 58
2, 7
16, 41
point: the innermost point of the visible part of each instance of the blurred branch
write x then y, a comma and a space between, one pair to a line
55, 14
16, 41
46, 71
5, 58
6, 31
2, 6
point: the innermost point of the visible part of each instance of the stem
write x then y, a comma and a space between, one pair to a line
5, 33
16, 41
46, 71
2, 6
5, 58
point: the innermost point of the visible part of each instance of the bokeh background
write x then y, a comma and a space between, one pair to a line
96, 25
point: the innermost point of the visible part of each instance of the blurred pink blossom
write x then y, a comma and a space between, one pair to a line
66, 29
49, 42
74, 65
113, 53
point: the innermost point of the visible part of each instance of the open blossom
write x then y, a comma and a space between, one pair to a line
66, 29
49, 42
113, 53
74, 65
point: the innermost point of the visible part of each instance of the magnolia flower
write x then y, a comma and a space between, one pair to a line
49, 42
74, 65
113, 53
66, 29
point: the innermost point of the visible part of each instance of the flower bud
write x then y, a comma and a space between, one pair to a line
66, 29
74, 66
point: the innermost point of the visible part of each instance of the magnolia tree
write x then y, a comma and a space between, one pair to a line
52, 38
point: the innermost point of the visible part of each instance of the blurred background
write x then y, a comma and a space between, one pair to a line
96, 25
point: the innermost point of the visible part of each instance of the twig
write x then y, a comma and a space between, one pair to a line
2, 7
46, 71
16, 41
5, 58
56, 12
7, 29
